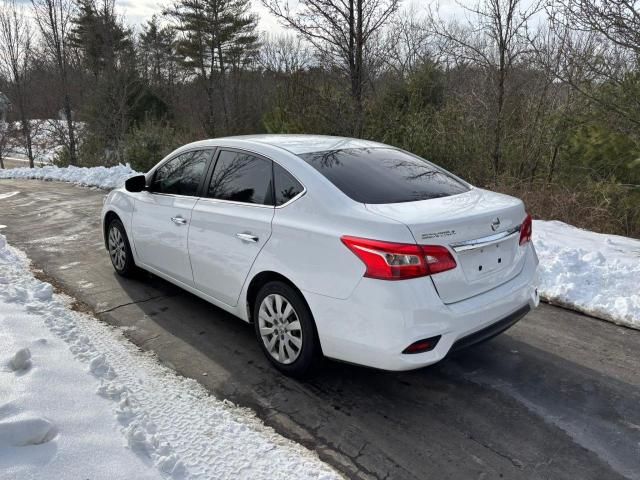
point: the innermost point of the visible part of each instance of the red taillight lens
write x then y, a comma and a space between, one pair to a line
398, 261
422, 346
526, 230
438, 258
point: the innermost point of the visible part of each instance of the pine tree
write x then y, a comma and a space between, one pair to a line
215, 36
100, 36
157, 53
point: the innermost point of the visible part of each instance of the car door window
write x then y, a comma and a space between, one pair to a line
241, 177
181, 175
286, 187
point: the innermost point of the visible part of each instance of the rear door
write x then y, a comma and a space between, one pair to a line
231, 224
162, 214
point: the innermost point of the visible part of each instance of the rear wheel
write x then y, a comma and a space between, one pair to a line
119, 249
285, 330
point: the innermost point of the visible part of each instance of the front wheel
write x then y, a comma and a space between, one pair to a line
285, 330
119, 249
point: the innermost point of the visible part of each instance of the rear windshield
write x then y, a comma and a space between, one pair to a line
383, 175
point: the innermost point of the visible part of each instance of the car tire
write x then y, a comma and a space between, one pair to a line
292, 327
119, 249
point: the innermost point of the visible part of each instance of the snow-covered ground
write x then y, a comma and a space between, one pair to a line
591, 272
77, 400
46, 135
594, 273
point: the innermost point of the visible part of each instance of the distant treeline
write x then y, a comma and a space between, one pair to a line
539, 99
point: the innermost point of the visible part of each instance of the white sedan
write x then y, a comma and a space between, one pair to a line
332, 247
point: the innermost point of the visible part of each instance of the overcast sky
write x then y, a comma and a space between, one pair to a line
137, 12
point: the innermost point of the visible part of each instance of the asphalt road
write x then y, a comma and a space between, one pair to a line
557, 396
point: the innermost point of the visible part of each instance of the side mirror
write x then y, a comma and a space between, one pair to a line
136, 184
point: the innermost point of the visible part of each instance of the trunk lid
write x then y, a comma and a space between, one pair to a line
480, 228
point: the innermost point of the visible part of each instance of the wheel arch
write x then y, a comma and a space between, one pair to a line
266, 276
108, 217
261, 279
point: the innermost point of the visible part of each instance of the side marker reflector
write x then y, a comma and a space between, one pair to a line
421, 346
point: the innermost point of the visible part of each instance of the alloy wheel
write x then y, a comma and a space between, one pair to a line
117, 249
280, 328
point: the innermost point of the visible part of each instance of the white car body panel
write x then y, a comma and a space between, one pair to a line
359, 320
221, 260
160, 243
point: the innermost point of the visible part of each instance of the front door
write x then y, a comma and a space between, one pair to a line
162, 215
231, 225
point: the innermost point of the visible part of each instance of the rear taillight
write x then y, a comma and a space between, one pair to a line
398, 261
526, 230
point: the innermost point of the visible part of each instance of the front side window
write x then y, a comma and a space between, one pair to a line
241, 177
383, 175
181, 175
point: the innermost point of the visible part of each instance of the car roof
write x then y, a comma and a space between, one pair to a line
300, 143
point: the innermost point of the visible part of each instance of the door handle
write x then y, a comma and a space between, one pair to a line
247, 237
179, 220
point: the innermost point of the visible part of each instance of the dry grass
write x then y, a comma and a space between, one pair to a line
601, 207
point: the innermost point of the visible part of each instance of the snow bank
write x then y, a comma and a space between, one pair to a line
591, 272
91, 405
102, 177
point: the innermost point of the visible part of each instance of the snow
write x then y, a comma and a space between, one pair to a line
77, 400
46, 135
594, 273
101, 177
21, 360
21, 432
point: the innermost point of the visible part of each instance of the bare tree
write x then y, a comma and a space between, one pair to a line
616, 20
601, 45
53, 18
341, 31
15, 61
494, 39
408, 42
5, 132
285, 54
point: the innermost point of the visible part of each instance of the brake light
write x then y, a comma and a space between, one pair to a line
526, 229
399, 261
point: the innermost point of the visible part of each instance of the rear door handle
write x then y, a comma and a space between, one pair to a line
247, 237
179, 220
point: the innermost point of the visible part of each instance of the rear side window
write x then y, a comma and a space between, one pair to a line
241, 177
286, 187
181, 175
383, 175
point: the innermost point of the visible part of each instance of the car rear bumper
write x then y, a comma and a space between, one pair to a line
487, 333
380, 319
